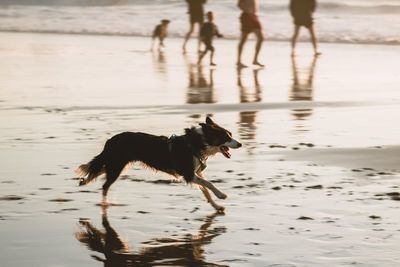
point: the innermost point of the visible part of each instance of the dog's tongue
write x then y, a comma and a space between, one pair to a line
225, 151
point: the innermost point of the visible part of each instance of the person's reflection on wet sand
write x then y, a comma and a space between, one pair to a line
160, 63
302, 89
185, 251
247, 119
200, 89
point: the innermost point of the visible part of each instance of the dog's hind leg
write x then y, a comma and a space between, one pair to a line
113, 170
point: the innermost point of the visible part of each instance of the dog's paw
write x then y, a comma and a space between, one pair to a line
220, 209
82, 181
222, 196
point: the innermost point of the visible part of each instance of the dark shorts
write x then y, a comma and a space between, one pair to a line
249, 23
208, 43
303, 21
196, 17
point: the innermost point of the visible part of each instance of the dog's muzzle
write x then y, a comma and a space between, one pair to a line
231, 144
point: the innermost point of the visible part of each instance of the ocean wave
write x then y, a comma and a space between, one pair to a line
62, 2
138, 18
265, 6
375, 9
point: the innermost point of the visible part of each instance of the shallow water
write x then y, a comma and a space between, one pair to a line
62, 96
356, 21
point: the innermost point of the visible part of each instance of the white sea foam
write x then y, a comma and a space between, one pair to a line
358, 21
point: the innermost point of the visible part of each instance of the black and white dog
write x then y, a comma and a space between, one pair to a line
181, 156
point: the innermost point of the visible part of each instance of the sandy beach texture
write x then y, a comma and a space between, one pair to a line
316, 183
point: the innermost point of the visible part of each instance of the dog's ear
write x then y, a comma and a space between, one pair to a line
205, 127
210, 121
207, 131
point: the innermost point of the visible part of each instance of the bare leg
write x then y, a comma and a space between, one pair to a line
188, 35
161, 44
203, 182
242, 41
152, 44
314, 39
201, 56
260, 39
211, 58
199, 39
294, 38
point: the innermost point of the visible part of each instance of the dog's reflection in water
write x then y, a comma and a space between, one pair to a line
185, 251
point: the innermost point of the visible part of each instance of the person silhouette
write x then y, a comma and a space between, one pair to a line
302, 11
207, 33
196, 16
249, 23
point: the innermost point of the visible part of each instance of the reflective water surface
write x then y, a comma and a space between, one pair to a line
315, 184
187, 250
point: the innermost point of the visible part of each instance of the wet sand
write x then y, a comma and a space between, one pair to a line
316, 183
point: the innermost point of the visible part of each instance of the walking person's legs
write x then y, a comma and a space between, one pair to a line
242, 41
314, 39
199, 39
294, 38
201, 55
212, 57
260, 39
188, 35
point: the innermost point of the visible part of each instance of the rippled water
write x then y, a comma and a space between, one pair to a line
62, 96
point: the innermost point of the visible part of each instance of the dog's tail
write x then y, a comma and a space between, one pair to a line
92, 169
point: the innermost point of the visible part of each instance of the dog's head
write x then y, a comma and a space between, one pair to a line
218, 139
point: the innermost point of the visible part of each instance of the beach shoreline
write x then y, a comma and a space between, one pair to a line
304, 39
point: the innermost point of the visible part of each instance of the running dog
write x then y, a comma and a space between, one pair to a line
180, 156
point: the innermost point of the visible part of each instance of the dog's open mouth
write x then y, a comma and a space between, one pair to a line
225, 151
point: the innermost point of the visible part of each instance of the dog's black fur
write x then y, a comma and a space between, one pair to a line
178, 156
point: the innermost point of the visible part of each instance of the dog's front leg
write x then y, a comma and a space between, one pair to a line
208, 196
203, 182
210, 200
